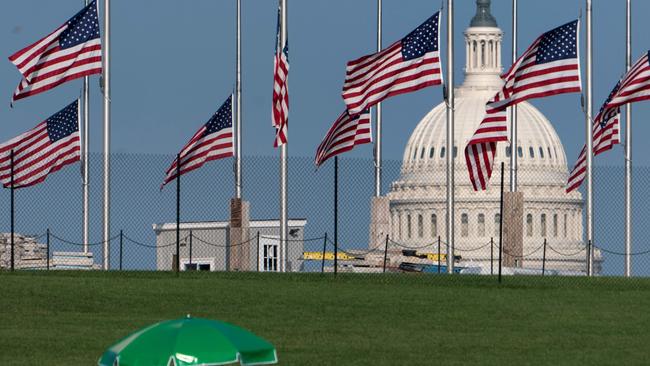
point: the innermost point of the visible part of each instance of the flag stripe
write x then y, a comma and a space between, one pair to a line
344, 134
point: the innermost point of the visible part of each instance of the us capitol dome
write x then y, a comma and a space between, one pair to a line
417, 201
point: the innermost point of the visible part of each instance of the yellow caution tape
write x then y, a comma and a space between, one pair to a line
328, 256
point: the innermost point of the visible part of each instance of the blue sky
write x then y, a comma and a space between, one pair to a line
174, 64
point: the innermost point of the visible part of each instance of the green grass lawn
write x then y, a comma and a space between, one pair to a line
69, 318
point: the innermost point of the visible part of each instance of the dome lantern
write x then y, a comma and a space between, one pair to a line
483, 49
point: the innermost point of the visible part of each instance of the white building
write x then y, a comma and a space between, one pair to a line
417, 199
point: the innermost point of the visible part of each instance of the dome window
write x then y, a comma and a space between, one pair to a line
508, 151
408, 226
442, 152
549, 153
415, 154
464, 225
434, 225
431, 153
531, 152
529, 225
422, 153
455, 151
541, 153
520, 152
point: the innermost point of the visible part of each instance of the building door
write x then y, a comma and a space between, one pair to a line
269, 254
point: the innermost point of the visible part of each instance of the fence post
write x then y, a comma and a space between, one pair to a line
47, 242
190, 250
544, 258
439, 253
385, 254
588, 255
322, 263
491, 255
121, 247
258, 251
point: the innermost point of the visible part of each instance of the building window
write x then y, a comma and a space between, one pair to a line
434, 226
520, 152
420, 226
542, 225
564, 229
442, 152
481, 225
422, 153
497, 225
529, 225
541, 153
555, 225
464, 225
399, 225
531, 152
455, 151
431, 153
508, 151
408, 226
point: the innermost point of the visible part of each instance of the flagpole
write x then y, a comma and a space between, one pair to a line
378, 113
106, 79
12, 208
336, 214
283, 158
628, 146
588, 131
85, 102
178, 213
238, 178
513, 109
450, 136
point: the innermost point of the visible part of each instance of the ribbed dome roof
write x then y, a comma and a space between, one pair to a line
540, 145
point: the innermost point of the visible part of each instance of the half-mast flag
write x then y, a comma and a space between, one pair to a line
344, 135
635, 84
550, 66
409, 64
633, 87
214, 140
72, 51
280, 88
46, 148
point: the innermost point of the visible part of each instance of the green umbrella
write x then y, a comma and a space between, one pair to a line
190, 341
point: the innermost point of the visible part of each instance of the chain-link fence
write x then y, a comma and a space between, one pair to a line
405, 231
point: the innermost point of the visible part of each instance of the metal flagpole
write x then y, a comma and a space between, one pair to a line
178, 213
238, 180
513, 109
378, 114
12, 208
106, 79
628, 146
283, 160
588, 130
450, 136
85, 101
336, 214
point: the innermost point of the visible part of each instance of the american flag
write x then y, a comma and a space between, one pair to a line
409, 64
72, 51
633, 87
48, 147
280, 89
635, 84
549, 66
212, 141
344, 135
